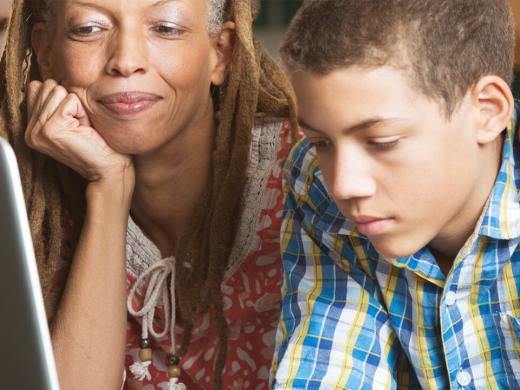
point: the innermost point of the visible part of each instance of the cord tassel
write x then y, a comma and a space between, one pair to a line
174, 384
140, 370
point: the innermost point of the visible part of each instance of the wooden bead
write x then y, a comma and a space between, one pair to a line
145, 354
174, 371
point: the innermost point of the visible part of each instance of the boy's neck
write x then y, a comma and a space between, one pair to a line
448, 243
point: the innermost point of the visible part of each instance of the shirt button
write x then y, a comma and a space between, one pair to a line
450, 298
463, 378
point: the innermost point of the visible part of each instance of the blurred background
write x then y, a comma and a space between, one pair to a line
516, 11
275, 16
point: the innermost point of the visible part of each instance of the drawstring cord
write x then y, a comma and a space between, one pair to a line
156, 295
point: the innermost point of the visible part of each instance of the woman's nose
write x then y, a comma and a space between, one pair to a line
127, 53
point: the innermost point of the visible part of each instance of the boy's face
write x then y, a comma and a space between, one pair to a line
394, 164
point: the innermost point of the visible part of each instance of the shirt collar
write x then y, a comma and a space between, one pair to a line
331, 220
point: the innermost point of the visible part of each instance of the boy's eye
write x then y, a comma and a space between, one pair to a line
320, 145
384, 143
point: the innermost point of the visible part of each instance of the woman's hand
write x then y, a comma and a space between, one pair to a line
96, 283
59, 127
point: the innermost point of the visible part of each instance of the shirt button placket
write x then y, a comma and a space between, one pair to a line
463, 378
450, 298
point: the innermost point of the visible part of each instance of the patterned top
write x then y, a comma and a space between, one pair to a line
354, 319
251, 287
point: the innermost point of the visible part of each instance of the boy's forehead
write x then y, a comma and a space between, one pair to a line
354, 76
356, 89
362, 98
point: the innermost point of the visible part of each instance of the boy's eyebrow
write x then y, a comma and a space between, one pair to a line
363, 125
161, 2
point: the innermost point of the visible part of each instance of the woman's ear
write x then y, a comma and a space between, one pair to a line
41, 43
223, 44
495, 104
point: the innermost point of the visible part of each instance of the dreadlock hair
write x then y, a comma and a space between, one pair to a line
53, 192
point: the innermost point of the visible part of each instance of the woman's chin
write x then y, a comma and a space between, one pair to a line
129, 145
127, 139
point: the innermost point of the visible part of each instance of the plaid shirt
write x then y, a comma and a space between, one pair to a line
353, 319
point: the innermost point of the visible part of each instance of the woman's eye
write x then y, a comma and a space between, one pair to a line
320, 145
86, 30
384, 143
168, 29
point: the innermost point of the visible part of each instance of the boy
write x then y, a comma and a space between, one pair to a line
400, 249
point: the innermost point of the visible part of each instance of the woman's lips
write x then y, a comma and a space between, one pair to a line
129, 103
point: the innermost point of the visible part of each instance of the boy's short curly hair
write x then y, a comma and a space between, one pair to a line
444, 46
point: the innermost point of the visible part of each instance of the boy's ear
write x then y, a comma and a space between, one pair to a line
224, 43
495, 104
41, 43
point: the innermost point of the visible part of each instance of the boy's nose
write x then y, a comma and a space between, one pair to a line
351, 178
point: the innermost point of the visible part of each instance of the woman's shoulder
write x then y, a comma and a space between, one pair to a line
270, 146
270, 135
262, 202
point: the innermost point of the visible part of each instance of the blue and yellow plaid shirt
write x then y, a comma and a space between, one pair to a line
352, 319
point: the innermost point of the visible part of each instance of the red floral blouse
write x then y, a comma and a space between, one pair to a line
251, 287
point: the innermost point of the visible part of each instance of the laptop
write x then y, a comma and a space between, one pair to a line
26, 359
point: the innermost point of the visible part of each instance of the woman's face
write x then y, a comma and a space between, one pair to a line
5, 14
142, 68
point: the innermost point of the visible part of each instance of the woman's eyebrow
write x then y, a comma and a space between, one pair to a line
161, 2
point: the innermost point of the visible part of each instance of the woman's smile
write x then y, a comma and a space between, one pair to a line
129, 104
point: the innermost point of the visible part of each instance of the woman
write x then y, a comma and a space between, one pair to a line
167, 111
5, 14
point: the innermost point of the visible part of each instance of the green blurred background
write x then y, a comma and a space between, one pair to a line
277, 12
274, 17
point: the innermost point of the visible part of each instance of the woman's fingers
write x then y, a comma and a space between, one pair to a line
33, 90
72, 108
60, 128
42, 100
53, 110
43, 92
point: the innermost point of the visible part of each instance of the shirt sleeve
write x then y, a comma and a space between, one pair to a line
334, 331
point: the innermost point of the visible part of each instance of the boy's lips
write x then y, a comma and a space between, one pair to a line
370, 225
129, 103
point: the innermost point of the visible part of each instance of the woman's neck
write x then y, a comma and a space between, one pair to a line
171, 181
